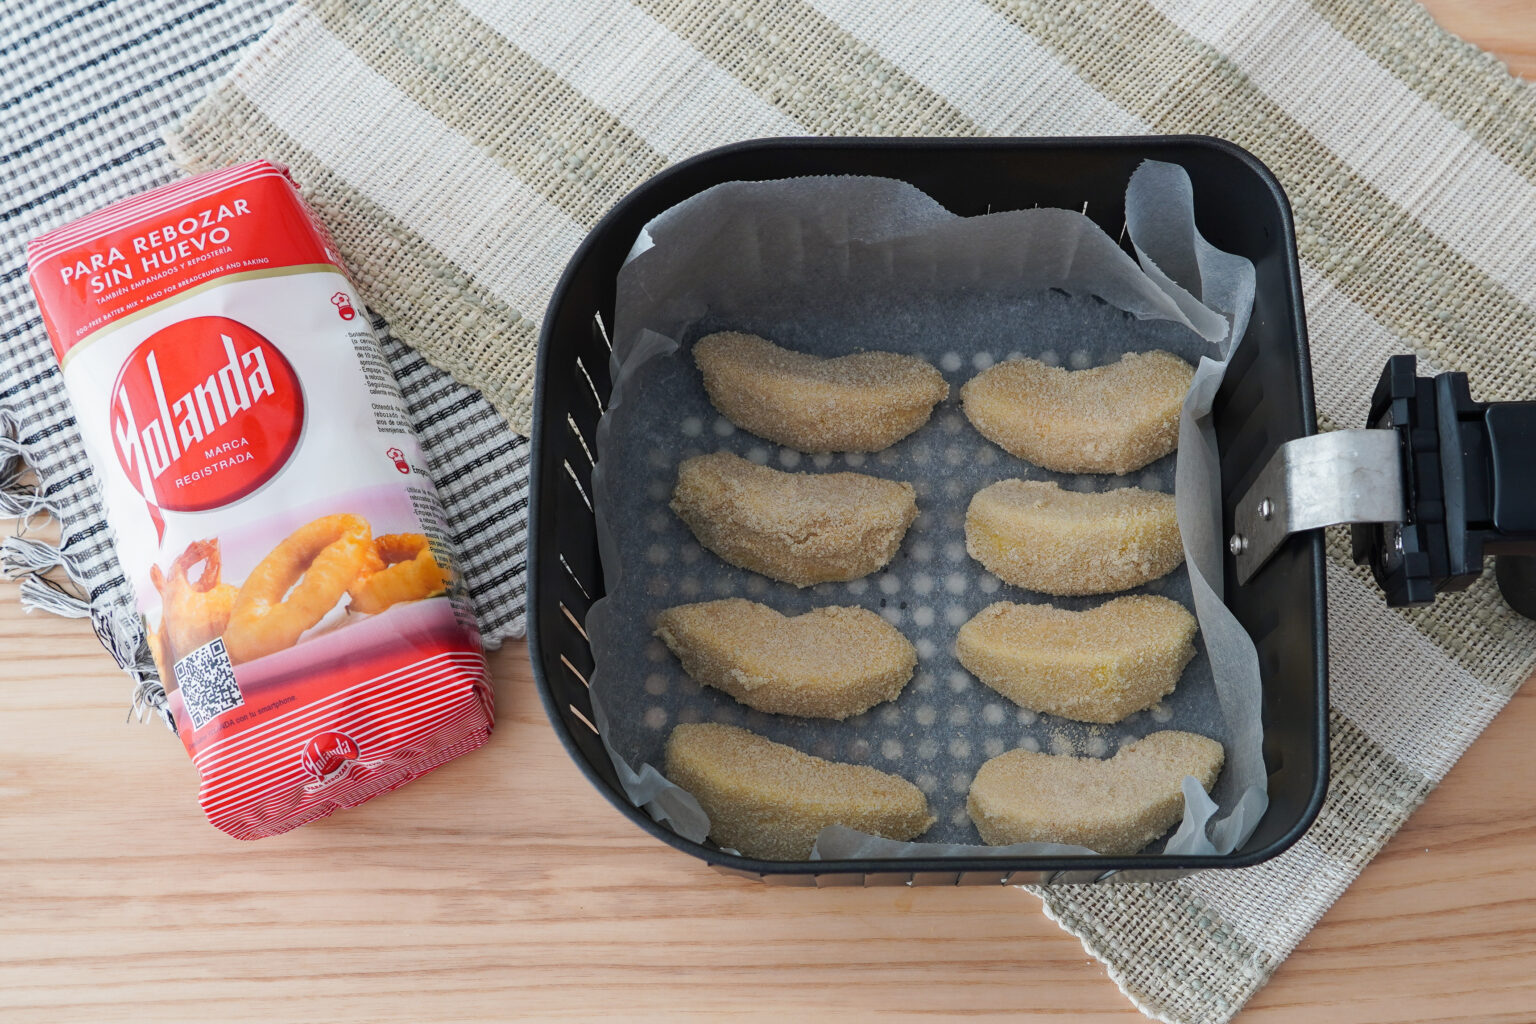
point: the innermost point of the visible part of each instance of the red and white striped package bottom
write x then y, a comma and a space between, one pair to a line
400, 725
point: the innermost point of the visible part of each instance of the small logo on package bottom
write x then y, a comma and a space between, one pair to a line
327, 756
330, 757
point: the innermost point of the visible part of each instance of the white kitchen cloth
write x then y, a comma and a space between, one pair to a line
85, 90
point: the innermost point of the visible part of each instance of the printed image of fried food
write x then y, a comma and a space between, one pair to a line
1106, 419
290, 590
293, 587
400, 567
1098, 665
770, 801
799, 528
861, 402
1113, 806
192, 611
827, 663
1035, 535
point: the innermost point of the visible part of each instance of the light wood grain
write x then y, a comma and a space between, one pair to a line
503, 887
1505, 28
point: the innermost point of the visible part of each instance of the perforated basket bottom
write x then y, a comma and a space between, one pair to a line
945, 724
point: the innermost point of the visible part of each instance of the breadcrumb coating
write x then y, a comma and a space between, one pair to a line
800, 528
1106, 419
861, 402
770, 801
1033, 534
1114, 806
1098, 665
827, 663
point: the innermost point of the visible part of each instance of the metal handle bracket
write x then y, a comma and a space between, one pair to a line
1344, 476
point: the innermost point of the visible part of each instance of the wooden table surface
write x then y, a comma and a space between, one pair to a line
1506, 28
504, 887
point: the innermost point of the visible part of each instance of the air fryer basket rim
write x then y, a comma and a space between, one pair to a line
1082, 866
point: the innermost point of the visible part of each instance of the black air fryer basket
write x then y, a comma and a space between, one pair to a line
1425, 481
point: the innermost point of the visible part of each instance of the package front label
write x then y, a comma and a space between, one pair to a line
191, 441
268, 497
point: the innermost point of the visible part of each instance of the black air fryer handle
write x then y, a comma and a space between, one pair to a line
1469, 489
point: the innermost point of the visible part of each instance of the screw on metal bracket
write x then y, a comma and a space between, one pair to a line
1345, 476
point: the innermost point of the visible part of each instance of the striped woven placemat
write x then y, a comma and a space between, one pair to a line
460, 150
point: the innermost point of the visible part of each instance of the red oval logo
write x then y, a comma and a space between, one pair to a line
204, 412
328, 753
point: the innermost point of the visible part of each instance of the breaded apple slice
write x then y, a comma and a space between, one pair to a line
770, 801
1035, 535
1105, 419
828, 663
861, 402
1114, 806
800, 528
1097, 665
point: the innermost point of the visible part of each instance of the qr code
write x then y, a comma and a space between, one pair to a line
207, 682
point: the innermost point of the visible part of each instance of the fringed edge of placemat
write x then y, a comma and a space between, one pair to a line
51, 578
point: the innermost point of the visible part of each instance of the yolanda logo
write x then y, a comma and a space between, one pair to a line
328, 753
203, 413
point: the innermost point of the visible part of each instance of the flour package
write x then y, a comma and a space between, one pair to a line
268, 497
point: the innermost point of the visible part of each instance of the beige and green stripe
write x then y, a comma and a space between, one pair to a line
456, 68
417, 284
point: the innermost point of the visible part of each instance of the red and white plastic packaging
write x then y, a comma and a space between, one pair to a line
268, 497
